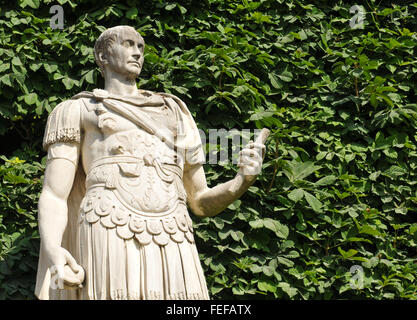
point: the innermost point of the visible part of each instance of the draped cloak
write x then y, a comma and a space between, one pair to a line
64, 125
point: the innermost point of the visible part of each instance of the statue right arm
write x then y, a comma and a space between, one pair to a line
52, 208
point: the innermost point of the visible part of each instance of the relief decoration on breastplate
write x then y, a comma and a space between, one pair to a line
143, 172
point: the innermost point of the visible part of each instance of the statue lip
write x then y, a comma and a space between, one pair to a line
135, 62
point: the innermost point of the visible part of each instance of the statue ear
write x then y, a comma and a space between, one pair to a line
102, 57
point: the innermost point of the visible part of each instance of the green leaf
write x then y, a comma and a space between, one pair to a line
255, 268
285, 261
266, 286
16, 61
355, 239
256, 224
15, 179
31, 98
347, 255
132, 13
315, 204
89, 77
326, 181
367, 229
285, 76
269, 224
68, 83
296, 170
280, 230
34, 4
276, 83
6, 80
50, 67
235, 205
4, 67
238, 291
169, 7
35, 66
237, 235
216, 289
394, 172
286, 287
296, 195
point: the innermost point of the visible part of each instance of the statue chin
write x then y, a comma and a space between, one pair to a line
128, 75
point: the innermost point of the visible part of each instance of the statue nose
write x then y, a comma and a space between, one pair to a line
136, 56
136, 53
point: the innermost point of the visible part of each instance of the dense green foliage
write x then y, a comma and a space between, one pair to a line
338, 187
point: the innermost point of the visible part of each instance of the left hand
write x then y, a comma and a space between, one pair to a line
250, 161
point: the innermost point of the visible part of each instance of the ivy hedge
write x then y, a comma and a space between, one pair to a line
338, 188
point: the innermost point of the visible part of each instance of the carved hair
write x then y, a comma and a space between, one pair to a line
106, 40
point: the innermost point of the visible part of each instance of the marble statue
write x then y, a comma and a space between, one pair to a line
122, 165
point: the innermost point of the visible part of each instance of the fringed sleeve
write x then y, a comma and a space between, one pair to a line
63, 124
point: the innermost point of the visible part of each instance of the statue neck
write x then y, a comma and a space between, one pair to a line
120, 85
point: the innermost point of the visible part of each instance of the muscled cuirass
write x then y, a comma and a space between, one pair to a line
134, 180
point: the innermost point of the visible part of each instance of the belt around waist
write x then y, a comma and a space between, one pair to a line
146, 160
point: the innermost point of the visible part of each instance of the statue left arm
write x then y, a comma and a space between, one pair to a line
207, 202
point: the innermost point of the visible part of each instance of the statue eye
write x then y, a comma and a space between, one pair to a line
128, 43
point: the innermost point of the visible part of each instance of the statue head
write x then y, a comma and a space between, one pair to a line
120, 50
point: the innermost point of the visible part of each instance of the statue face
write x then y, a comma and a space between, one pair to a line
125, 56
